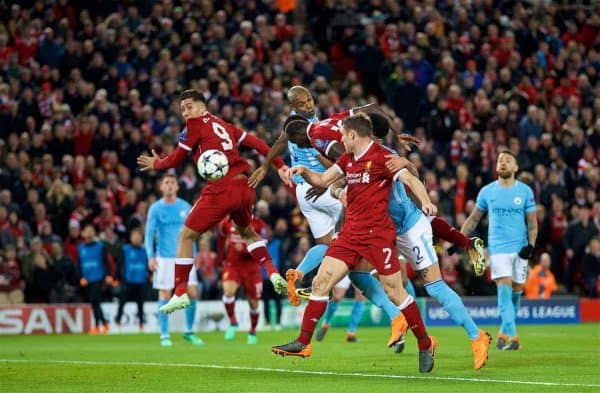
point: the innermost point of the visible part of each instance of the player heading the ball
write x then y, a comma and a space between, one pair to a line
228, 195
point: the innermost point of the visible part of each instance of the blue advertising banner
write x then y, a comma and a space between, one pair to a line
485, 311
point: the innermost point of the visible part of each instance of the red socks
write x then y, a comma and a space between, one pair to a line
313, 312
445, 231
183, 266
254, 314
415, 323
259, 253
229, 303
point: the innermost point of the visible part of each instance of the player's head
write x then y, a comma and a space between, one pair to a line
89, 233
169, 186
295, 128
192, 104
135, 237
356, 128
507, 165
302, 101
381, 125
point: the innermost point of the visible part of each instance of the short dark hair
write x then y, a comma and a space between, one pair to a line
360, 123
193, 94
510, 153
294, 125
381, 125
168, 174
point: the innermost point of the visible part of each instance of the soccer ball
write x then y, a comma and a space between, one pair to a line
212, 165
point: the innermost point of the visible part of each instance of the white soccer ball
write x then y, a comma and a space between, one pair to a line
212, 165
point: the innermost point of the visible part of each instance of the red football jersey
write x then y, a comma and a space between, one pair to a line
326, 133
369, 187
209, 132
235, 246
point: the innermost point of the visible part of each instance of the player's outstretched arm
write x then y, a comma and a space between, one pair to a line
259, 174
472, 221
321, 180
419, 190
173, 160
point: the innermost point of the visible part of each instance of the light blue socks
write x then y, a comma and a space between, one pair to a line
410, 289
330, 312
372, 289
516, 301
356, 315
507, 310
451, 302
313, 258
163, 320
190, 315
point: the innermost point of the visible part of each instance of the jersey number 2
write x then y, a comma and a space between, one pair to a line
221, 132
388, 254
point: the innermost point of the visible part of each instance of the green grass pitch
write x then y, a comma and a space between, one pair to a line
563, 358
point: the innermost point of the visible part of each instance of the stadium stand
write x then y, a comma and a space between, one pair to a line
87, 86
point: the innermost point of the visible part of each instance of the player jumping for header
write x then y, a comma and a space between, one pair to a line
368, 234
229, 195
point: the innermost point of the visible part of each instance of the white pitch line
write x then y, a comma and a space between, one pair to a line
305, 372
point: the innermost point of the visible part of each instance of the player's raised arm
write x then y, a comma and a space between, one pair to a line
259, 174
261, 148
322, 180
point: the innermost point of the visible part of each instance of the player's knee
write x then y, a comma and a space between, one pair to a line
320, 286
253, 303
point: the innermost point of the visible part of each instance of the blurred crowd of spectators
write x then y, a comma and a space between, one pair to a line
85, 87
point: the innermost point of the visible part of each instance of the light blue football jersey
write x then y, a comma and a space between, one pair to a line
507, 209
165, 221
305, 156
402, 209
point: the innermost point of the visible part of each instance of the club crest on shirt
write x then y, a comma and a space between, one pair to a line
320, 143
368, 166
182, 213
183, 134
517, 200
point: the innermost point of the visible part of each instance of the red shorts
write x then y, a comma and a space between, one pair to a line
378, 248
246, 274
216, 201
